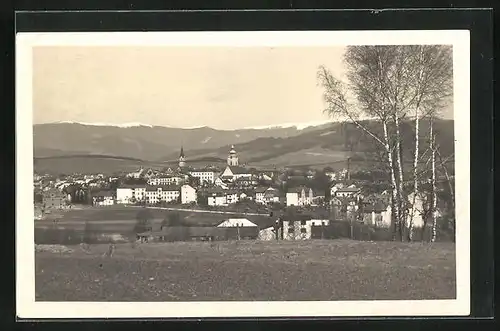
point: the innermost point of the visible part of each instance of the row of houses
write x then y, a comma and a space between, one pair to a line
235, 229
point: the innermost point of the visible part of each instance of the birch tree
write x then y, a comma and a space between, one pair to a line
432, 88
389, 84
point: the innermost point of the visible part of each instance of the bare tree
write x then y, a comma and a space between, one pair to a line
388, 84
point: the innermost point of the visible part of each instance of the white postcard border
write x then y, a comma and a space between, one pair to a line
26, 305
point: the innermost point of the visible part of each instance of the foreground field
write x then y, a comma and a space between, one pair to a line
253, 270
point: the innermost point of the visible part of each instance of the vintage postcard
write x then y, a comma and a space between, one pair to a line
242, 174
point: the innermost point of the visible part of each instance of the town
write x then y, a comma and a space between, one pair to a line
300, 204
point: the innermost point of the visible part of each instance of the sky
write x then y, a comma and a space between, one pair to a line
219, 87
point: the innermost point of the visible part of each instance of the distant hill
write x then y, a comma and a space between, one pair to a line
105, 149
141, 142
326, 144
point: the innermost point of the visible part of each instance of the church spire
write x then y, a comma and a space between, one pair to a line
182, 158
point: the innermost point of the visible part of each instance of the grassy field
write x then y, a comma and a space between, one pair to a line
249, 270
127, 215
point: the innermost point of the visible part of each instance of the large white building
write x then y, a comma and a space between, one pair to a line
163, 193
204, 175
165, 180
299, 196
188, 194
126, 194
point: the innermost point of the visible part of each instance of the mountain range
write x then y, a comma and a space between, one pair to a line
290, 144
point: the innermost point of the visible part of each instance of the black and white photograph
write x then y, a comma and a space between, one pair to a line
212, 174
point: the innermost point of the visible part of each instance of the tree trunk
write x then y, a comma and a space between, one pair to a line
399, 157
452, 193
394, 196
433, 180
415, 176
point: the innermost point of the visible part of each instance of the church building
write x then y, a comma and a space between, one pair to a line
232, 158
182, 159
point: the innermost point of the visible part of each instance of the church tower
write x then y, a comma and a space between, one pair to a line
182, 159
232, 158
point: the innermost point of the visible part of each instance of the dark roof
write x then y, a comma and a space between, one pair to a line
260, 189
201, 170
102, 194
132, 186
237, 170
349, 189
163, 187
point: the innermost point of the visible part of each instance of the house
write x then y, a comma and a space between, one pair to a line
318, 197
236, 222
220, 197
162, 193
165, 180
130, 193
300, 227
204, 175
103, 198
233, 173
219, 182
188, 194
377, 214
248, 194
259, 194
271, 195
136, 174
217, 198
299, 196
243, 182
341, 190
232, 196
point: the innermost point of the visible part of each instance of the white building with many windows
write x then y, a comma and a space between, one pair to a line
205, 176
162, 193
126, 194
165, 180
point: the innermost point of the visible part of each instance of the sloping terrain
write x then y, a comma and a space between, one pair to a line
325, 145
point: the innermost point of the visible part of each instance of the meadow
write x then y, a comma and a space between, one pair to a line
249, 270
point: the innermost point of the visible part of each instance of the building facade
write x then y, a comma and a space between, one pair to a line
165, 180
126, 194
163, 193
300, 196
232, 158
188, 194
205, 176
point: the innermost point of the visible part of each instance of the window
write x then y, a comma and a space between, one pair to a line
291, 230
303, 230
303, 222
